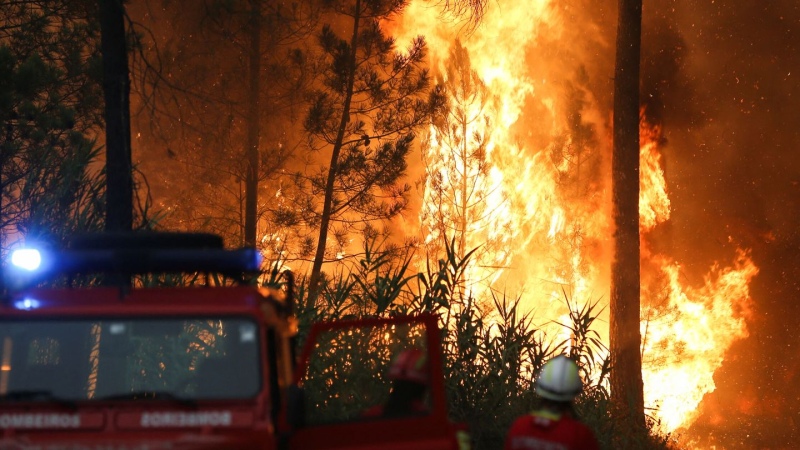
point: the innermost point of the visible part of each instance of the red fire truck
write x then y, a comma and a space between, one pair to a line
122, 362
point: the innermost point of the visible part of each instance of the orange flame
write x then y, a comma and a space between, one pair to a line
542, 197
685, 336
653, 199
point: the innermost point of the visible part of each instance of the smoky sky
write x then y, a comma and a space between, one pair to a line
723, 79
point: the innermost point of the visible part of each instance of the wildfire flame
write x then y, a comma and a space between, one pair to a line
540, 196
685, 336
686, 330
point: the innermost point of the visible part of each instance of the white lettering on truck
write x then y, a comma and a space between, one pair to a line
39, 420
183, 419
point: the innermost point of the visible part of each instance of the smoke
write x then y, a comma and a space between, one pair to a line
724, 80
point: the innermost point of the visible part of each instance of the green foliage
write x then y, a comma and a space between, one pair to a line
346, 375
50, 106
492, 351
379, 282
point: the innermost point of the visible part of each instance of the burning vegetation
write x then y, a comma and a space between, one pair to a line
407, 157
522, 159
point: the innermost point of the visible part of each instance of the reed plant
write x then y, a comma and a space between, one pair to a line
492, 348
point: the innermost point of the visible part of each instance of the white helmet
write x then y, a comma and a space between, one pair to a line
559, 380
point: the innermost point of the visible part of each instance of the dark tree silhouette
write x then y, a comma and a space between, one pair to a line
116, 92
50, 105
217, 94
625, 338
364, 112
253, 120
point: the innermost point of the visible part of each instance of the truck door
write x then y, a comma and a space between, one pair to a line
371, 384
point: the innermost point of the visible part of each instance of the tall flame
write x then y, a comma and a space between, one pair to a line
685, 329
525, 176
686, 334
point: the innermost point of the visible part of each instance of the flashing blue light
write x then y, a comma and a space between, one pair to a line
258, 260
27, 303
26, 258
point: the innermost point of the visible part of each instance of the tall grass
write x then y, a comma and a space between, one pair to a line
492, 348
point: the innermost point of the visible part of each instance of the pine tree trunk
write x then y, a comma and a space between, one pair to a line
116, 92
625, 337
253, 131
327, 205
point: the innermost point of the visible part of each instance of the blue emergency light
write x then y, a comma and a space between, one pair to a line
134, 253
27, 303
29, 259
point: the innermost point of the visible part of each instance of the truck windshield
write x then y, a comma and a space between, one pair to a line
186, 358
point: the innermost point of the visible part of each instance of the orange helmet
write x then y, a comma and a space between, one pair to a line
410, 365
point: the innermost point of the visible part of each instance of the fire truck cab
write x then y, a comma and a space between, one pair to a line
131, 363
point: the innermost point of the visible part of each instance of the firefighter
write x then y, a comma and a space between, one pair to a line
553, 425
409, 376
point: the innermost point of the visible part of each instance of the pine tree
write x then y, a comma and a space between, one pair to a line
50, 106
218, 92
116, 90
458, 189
625, 338
365, 110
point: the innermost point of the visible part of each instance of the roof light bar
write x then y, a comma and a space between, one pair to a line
134, 253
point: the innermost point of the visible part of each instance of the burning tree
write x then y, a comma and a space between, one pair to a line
369, 101
461, 200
